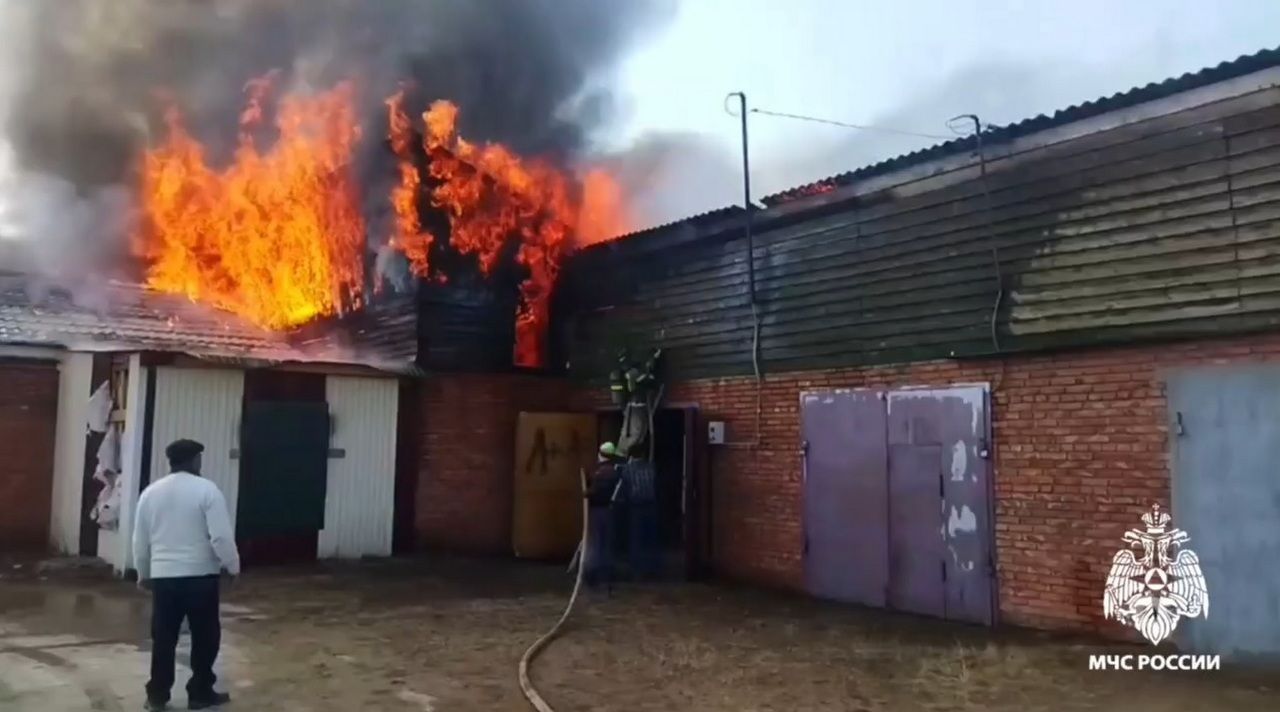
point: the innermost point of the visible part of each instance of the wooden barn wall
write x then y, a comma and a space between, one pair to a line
466, 328
1164, 228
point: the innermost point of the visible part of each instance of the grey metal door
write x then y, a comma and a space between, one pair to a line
845, 496
1224, 432
941, 558
915, 546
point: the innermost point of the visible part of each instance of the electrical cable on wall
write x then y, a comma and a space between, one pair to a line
986, 214
751, 266
995, 249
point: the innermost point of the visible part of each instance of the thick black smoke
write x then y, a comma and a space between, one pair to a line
531, 73
86, 80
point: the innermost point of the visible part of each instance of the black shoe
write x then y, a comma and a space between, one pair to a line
156, 706
204, 703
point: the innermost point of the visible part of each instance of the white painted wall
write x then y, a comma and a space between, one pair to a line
360, 502
74, 388
203, 405
206, 405
189, 403
114, 546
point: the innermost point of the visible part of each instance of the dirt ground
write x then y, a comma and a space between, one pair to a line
445, 634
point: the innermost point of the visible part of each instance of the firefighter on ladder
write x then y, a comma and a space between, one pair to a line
633, 389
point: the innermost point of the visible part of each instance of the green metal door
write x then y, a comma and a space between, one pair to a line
283, 468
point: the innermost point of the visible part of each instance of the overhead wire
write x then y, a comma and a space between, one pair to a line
842, 124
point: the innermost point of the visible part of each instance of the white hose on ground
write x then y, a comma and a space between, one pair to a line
526, 685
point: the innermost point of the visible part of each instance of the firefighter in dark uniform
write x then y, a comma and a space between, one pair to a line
644, 551
600, 495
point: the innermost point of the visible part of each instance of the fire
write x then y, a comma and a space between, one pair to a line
409, 236
276, 236
604, 213
821, 188
492, 197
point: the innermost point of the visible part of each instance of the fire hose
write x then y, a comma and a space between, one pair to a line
526, 684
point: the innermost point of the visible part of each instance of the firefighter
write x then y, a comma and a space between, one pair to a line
618, 390
644, 551
601, 491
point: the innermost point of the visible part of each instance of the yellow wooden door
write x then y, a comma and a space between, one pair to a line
551, 448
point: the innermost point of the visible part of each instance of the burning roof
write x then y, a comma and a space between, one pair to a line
120, 316
278, 237
278, 209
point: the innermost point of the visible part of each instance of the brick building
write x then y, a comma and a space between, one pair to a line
964, 374
1063, 322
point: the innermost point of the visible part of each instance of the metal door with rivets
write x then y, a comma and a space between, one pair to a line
940, 529
845, 497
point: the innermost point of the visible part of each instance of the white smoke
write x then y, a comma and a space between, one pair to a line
44, 219
10, 15
668, 176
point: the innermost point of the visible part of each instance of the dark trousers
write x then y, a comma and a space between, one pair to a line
643, 539
173, 599
599, 554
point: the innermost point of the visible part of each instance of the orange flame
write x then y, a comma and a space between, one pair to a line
493, 196
277, 236
409, 236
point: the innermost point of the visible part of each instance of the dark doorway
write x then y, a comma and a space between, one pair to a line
100, 374
408, 454
673, 447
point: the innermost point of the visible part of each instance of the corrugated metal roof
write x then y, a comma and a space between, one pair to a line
707, 216
1241, 66
122, 316
662, 233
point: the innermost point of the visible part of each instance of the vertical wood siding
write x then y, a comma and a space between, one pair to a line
360, 504
74, 389
203, 405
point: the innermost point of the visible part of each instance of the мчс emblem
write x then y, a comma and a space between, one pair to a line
1152, 592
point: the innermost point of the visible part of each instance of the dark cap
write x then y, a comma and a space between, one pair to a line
181, 451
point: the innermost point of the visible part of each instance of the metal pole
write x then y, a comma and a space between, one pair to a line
751, 267
746, 197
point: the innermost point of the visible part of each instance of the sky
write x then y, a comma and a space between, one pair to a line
908, 65
904, 64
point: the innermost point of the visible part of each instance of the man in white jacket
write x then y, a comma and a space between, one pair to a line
182, 539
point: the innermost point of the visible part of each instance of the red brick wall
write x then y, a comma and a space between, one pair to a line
28, 426
467, 457
1080, 452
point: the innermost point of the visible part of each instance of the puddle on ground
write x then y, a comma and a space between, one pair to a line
87, 648
45, 610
